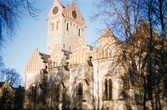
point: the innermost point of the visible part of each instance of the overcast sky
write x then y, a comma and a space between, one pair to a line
33, 34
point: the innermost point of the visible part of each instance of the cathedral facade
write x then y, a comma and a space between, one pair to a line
73, 75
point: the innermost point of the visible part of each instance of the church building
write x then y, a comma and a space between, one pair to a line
72, 74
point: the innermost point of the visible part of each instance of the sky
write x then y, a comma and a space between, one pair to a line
33, 34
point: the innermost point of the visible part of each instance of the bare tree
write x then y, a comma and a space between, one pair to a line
12, 76
10, 13
156, 15
121, 16
143, 49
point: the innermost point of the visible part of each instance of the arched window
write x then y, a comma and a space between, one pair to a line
32, 93
55, 92
107, 52
107, 89
79, 33
52, 26
67, 26
79, 89
57, 25
110, 88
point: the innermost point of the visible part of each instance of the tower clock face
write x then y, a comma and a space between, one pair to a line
74, 14
55, 10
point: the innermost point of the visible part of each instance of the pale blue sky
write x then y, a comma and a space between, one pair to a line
33, 34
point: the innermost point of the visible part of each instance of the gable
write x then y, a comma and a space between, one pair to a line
80, 54
59, 9
57, 57
68, 13
107, 46
37, 61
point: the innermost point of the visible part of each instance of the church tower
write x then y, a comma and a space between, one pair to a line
65, 27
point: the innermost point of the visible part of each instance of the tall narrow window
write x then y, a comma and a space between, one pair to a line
67, 26
52, 26
32, 93
107, 89
110, 88
79, 89
79, 32
55, 92
57, 25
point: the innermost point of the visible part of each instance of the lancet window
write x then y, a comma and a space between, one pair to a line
52, 26
32, 93
79, 89
55, 92
107, 89
67, 26
57, 25
79, 33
